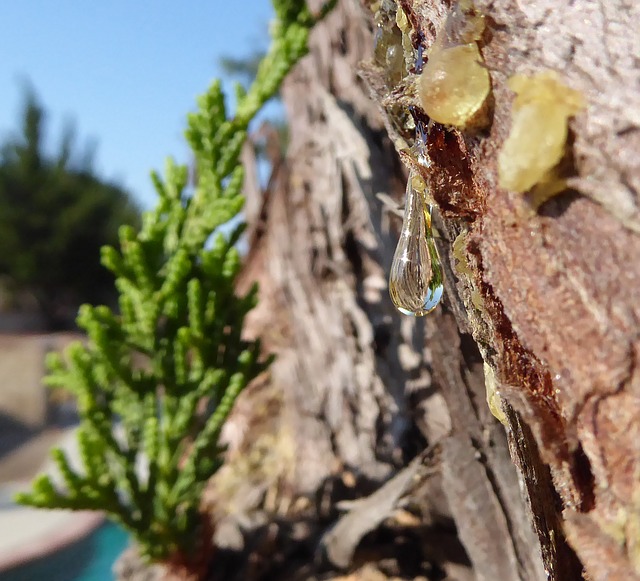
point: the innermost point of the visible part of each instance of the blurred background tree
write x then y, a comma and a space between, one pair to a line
55, 215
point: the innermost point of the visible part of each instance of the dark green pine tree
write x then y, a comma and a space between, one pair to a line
55, 215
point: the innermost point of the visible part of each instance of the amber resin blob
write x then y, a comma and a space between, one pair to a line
454, 84
536, 143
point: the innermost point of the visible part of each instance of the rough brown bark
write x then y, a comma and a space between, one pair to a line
356, 383
559, 321
550, 305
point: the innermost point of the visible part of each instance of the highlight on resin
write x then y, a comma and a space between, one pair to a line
415, 281
539, 128
454, 84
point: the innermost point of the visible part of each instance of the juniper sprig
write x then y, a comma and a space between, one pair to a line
155, 381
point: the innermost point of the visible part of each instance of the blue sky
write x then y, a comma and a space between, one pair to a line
126, 72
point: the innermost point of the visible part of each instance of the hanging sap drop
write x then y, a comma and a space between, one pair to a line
415, 281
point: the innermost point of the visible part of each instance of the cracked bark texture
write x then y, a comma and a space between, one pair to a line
549, 300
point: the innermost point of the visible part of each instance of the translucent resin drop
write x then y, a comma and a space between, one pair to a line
415, 281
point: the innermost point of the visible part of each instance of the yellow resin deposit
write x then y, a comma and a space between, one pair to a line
539, 119
454, 83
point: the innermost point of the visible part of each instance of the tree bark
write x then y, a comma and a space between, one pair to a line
546, 310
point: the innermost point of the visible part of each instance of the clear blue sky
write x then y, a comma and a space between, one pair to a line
125, 71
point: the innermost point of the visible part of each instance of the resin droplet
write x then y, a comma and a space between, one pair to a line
415, 282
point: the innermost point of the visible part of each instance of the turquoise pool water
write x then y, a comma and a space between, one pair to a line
90, 559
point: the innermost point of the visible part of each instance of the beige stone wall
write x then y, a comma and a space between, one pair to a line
22, 395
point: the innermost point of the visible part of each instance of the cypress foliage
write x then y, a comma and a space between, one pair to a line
175, 347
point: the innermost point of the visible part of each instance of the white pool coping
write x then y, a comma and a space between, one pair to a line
30, 533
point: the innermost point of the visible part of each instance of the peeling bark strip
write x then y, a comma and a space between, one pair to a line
366, 515
550, 299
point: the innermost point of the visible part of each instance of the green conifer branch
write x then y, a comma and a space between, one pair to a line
146, 373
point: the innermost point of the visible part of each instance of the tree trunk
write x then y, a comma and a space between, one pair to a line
544, 309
